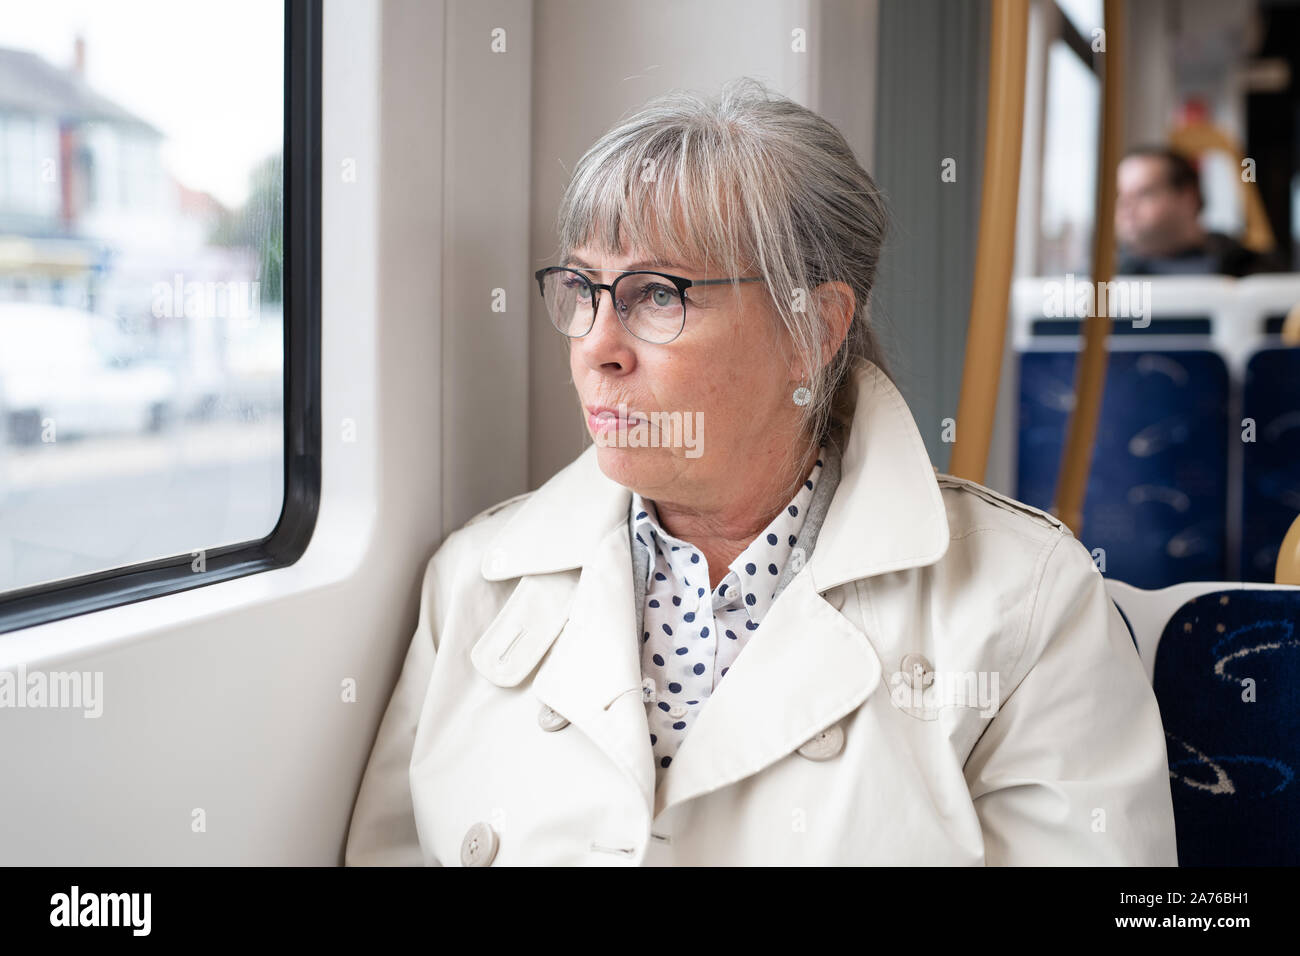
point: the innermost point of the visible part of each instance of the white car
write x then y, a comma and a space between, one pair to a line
70, 368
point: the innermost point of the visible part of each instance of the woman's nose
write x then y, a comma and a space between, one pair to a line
608, 343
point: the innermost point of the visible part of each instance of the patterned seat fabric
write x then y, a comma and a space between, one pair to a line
1227, 678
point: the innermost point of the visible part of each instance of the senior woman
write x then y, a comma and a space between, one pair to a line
751, 624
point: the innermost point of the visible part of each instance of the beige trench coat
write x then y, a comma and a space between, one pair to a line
945, 682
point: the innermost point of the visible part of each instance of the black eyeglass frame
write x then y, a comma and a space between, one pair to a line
681, 284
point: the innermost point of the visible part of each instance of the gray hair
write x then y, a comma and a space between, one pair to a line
746, 179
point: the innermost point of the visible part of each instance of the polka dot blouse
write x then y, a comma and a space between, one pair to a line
692, 636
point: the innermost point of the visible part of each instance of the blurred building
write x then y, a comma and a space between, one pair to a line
89, 215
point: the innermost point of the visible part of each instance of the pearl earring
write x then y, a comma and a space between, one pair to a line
802, 395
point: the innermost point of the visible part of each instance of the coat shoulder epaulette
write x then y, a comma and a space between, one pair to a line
1002, 501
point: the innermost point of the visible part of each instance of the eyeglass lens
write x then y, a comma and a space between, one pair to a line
649, 305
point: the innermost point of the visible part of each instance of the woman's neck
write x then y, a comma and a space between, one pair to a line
723, 532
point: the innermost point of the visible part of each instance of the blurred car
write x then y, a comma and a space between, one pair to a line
76, 369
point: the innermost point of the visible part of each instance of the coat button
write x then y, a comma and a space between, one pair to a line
825, 745
915, 667
479, 846
551, 719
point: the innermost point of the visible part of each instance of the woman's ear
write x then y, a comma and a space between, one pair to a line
836, 304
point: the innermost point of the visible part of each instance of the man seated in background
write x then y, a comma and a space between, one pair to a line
1158, 201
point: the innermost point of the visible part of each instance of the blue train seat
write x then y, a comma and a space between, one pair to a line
1270, 463
1157, 494
1224, 660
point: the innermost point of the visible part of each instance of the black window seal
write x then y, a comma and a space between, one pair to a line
1077, 43
53, 601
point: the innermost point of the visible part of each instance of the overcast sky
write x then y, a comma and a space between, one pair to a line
208, 73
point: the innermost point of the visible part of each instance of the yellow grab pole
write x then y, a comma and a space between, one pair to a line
1288, 558
987, 329
1287, 570
1090, 370
1291, 326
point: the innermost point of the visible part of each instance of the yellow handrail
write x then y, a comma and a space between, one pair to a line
986, 331
1090, 370
1291, 326
1288, 557
1199, 137
1287, 570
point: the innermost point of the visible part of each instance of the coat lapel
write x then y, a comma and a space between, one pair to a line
805, 668
593, 674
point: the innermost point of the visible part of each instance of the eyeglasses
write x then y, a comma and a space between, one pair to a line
650, 305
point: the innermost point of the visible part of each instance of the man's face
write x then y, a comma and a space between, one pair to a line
1151, 217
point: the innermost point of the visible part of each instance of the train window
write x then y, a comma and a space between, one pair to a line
157, 299
1071, 113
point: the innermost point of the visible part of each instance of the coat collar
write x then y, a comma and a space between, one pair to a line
887, 513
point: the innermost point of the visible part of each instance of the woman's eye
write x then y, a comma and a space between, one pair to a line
573, 283
662, 296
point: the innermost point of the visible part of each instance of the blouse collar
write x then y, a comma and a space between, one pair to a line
756, 571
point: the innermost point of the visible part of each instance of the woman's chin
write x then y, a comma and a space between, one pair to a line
638, 468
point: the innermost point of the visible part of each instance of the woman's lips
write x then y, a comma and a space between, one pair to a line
603, 418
